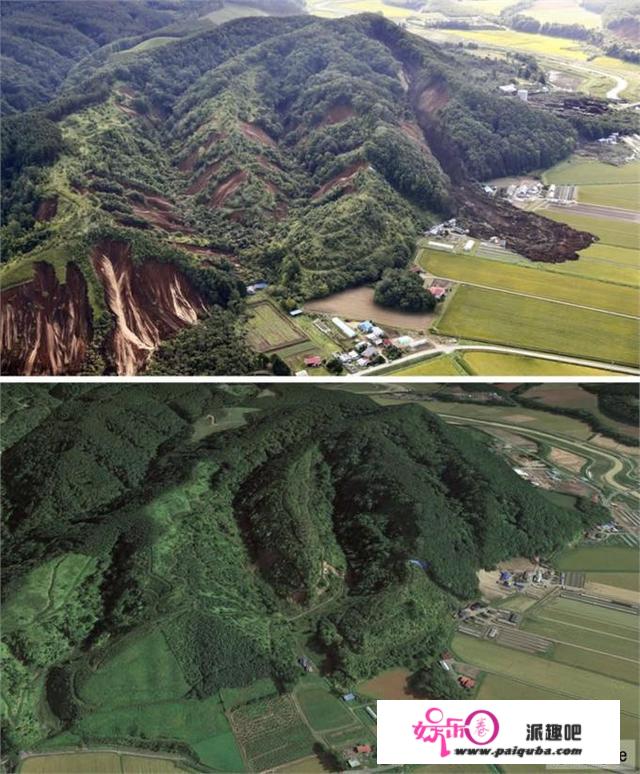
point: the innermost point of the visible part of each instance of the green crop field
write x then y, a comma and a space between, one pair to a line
200, 724
443, 365
618, 668
501, 318
130, 675
270, 329
322, 709
498, 364
620, 233
98, 763
622, 580
531, 280
496, 686
598, 558
543, 674
624, 195
583, 636
580, 171
612, 254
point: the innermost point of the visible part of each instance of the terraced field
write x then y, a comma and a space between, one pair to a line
493, 316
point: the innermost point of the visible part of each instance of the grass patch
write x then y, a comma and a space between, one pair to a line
130, 675
501, 318
596, 662
624, 195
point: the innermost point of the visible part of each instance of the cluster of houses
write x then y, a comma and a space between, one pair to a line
447, 228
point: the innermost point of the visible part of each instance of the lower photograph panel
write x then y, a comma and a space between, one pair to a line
226, 577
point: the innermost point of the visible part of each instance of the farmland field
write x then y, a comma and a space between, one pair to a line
532, 280
270, 329
564, 12
624, 195
501, 318
623, 580
496, 364
442, 365
580, 171
619, 233
598, 558
97, 763
322, 709
543, 674
271, 732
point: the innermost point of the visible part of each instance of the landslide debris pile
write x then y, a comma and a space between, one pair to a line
306, 151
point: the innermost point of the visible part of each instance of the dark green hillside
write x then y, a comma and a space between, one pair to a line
41, 41
151, 572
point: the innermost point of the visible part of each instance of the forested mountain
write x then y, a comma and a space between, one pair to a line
130, 512
308, 152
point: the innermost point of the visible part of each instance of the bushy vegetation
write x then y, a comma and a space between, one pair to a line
133, 552
403, 290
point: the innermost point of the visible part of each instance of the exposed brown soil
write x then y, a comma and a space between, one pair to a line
265, 163
414, 133
358, 304
47, 209
159, 216
149, 303
228, 187
433, 98
388, 685
202, 179
187, 164
526, 233
45, 325
254, 132
344, 177
337, 114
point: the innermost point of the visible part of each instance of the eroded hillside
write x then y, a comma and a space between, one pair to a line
307, 152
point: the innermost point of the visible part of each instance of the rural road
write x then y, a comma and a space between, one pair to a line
447, 349
620, 86
613, 460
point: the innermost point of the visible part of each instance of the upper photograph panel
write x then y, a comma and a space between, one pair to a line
364, 187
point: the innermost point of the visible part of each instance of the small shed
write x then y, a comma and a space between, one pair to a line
349, 697
313, 361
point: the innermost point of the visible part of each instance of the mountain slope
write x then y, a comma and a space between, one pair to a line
309, 152
127, 534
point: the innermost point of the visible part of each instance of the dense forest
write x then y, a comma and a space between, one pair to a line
305, 151
129, 511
